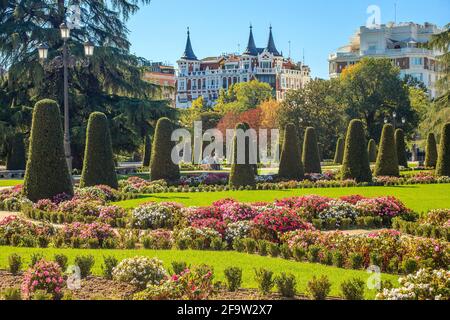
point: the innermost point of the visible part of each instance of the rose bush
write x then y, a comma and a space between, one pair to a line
43, 276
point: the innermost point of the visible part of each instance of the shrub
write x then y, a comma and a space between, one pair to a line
242, 174
47, 174
401, 148
16, 158
264, 279
299, 253
153, 216
250, 245
14, 263
431, 153
372, 151
85, 263
98, 166
410, 266
387, 160
238, 245
147, 151
35, 258
286, 285
140, 271
313, 254
179, 267
356, 260
339, 154
443, 163
45, 277
338, 259
353, 289
11, 294
318, 288
291, 167
311, 157
61, 260
161, 164
356, 159
109, 263
274, 249
234, 278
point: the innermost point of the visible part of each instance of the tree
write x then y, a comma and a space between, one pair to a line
242, 174
387, 161
311, 157
316, 105
161, 165
270, 113
16, 157
443, 163
356, 161
98, 167
372, 150
339, 155
291, 167
441, 42
47, 174
401, 148
431, 153
147, 151
371, 89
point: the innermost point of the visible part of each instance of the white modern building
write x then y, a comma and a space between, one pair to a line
402, 43
208, 76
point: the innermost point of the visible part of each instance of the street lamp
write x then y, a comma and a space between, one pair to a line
88, 49
65, 31
43, 51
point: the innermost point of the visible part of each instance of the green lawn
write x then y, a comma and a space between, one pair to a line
10, 183
219, 260
420, 198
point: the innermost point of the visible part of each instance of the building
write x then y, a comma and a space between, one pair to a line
402, 43
163, 76
208, 76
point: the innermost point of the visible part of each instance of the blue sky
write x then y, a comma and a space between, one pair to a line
158, 31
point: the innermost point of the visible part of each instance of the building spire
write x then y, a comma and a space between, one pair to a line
271, 44
188, 52
251, 47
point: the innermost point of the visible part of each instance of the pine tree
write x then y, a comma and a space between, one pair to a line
147, 151
372, 150
443, 163
291, 166
431, 153
339, 155
242, 174
387, 160
401, 148
311, 157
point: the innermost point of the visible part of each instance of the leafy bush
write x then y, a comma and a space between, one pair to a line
98, 166
264, 279
356, 159
250, 245
353, 289
35, 258
431, 153
311, 157
401, 148
291, 167
61, 260
299, 253
109, 263
387, 160
339, 154
147, 151
242, 174
45, 277
179, 267
286, 285
356, 260
153, 216
11, 294
140, 271
85, 263
318, 288
47, 174
443, 163
372, 149
410, 266
233, 276
14, 263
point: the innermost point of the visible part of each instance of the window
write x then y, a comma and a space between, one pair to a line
417, 61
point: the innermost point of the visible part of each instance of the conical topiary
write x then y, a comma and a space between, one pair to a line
161, 165
147, 151
291, 166
47, 174
372, 150
443, 163
401, 148
16, 159
356, 160
98, 165
242, 174
431, 153
339, 154
311, 157
387, 160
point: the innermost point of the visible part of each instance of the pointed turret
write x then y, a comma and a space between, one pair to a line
188, 52
251, 47
271, 45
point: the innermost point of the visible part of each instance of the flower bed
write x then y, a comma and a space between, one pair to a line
17, 232
435, 224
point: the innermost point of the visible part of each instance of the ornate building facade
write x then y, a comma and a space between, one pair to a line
206, 77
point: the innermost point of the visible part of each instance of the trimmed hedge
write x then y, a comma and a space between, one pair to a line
356, 159
339, 154
147, 151
401, 148
443, 163
387, 160
431, 153
98, 166
311, 157
242, 175
372, 150
47, 174
161, 164
291, 166
16, 157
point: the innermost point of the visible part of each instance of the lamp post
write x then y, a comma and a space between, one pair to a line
65, 64
394, 122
